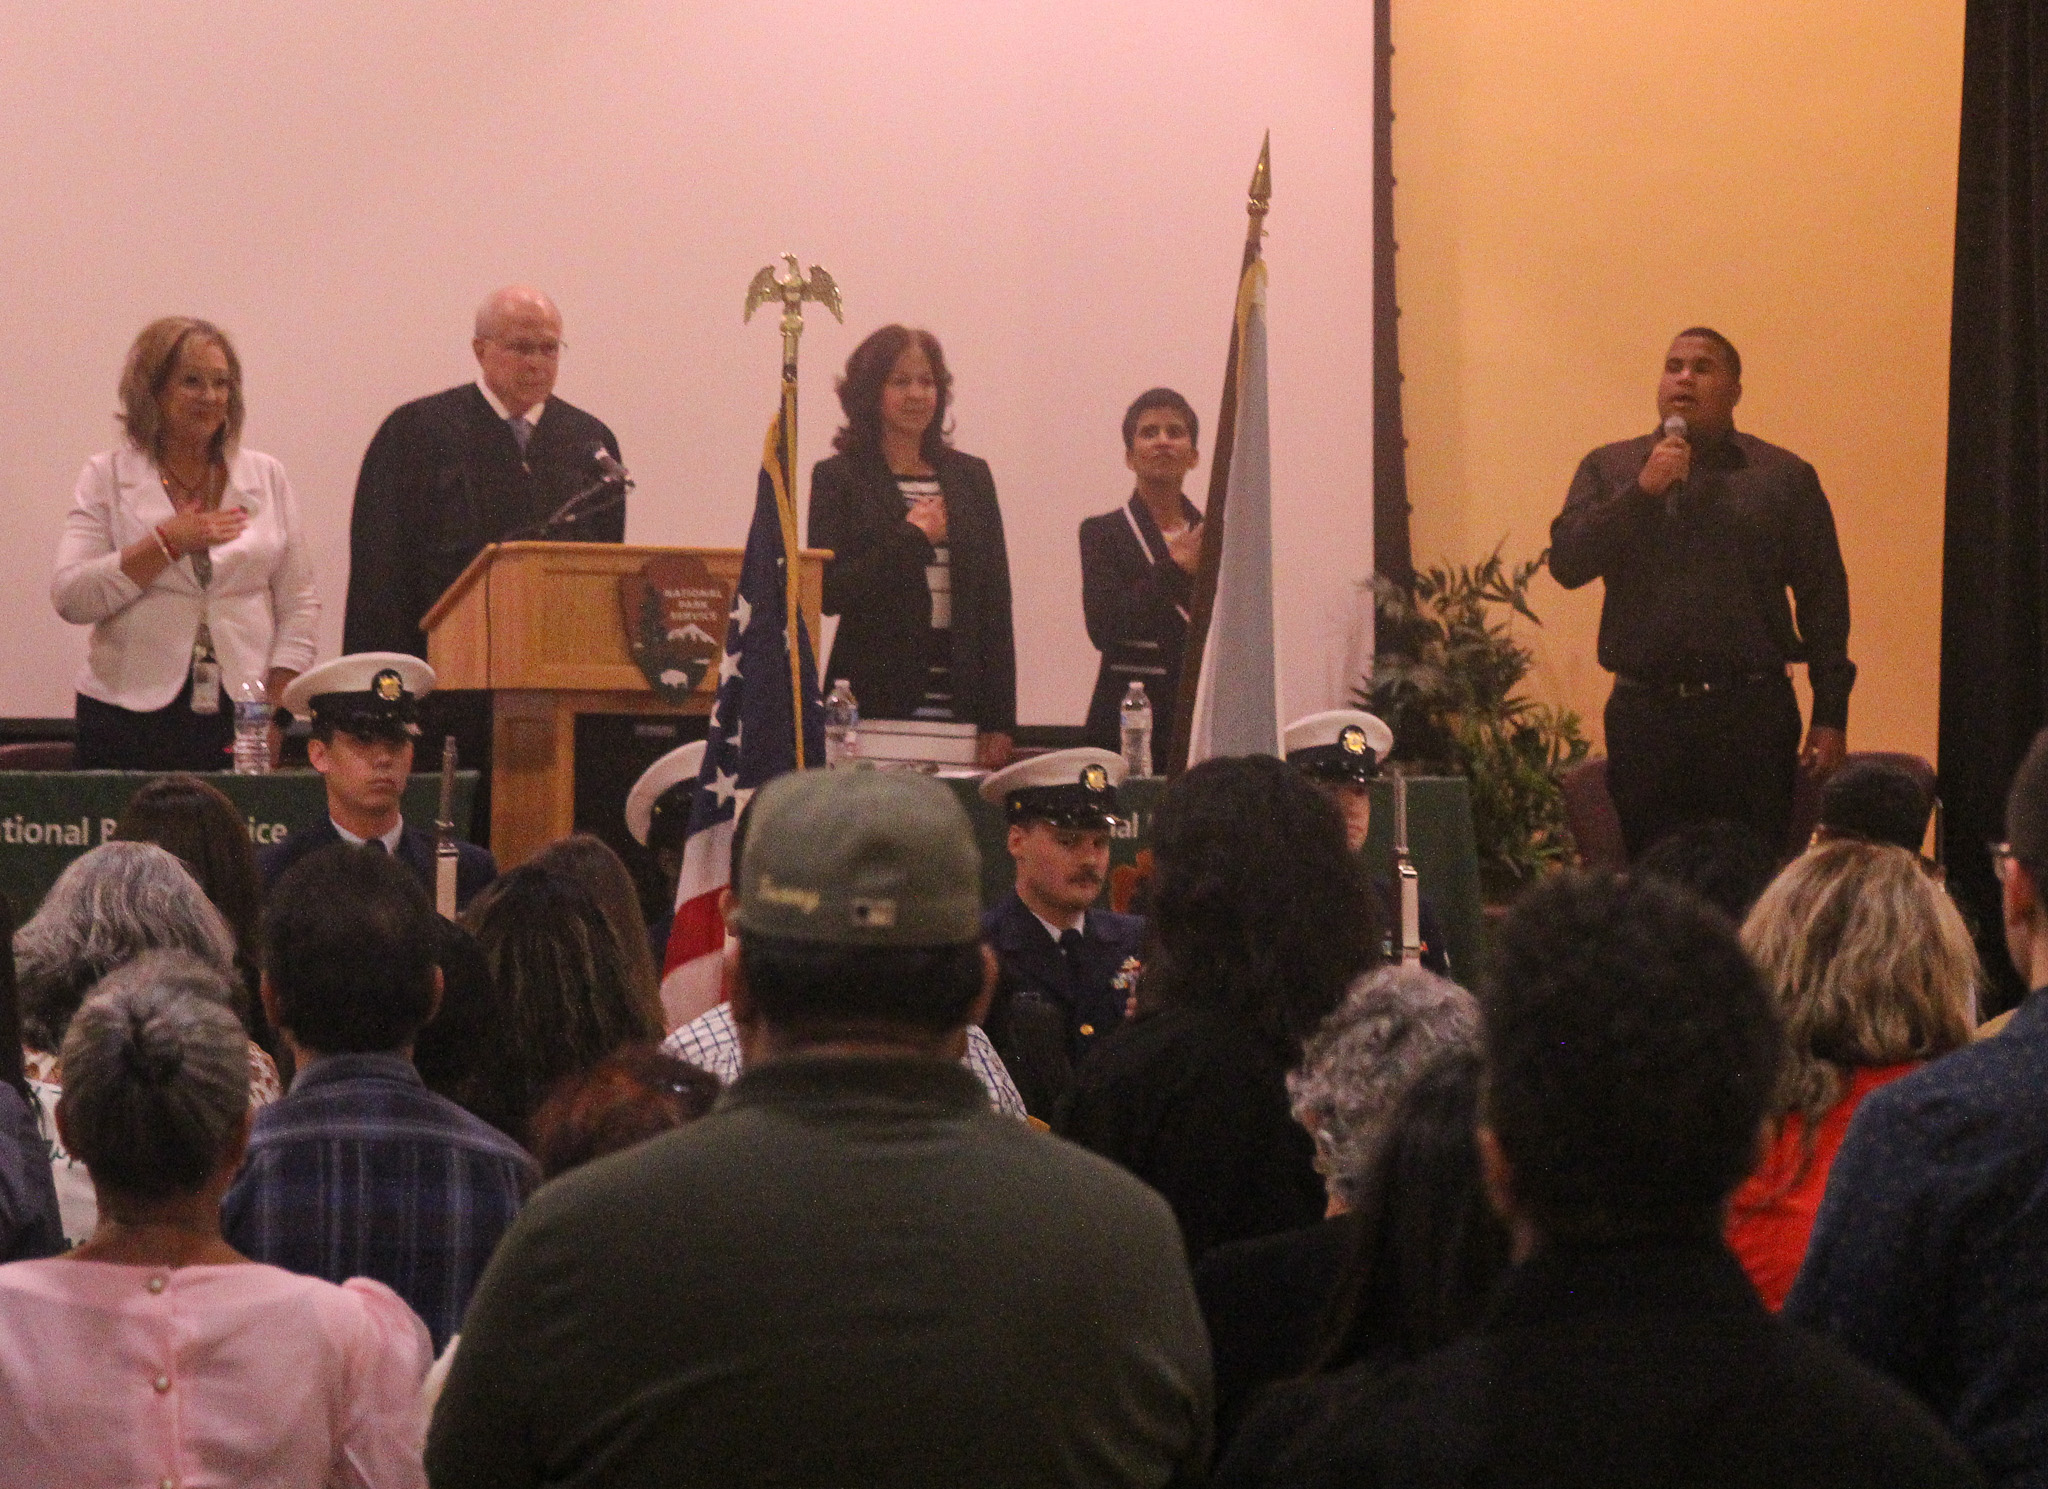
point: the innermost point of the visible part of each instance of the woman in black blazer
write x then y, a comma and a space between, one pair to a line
920, 576
1137, 566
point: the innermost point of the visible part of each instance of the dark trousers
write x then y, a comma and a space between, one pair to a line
168, 738
1730, 754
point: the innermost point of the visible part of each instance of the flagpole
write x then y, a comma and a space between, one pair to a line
1203, 603
792, 286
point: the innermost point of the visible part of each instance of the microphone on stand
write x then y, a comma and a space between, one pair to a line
1675, 425
612, 484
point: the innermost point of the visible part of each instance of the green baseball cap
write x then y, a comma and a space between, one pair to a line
860, 857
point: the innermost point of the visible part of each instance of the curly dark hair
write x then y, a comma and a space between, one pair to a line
1258, 903
860, 391
1631, 1054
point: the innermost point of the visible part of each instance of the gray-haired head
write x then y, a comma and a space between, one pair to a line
105, 910
1360, 1062
156, 1077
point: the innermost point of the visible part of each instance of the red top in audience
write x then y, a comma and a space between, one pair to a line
1771, 1215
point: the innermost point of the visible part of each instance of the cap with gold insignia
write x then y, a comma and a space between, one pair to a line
1340, 744
1067, 788
659, 803
860, 858
372, 694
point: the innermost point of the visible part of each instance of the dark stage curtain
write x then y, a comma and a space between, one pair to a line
1994, 671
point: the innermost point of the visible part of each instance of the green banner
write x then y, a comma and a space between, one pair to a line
49, 817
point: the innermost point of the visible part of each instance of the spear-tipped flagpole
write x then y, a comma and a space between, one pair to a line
1203, 601
789, 284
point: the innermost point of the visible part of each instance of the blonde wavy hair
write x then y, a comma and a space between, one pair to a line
147, 372
1869, 963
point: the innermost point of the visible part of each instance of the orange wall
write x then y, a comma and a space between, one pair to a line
1576, 182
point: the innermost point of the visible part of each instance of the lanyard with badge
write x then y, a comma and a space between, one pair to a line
205, 663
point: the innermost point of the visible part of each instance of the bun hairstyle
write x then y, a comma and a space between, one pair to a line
156, 1076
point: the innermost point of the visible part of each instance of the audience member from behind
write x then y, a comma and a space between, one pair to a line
589, 862
454, 1048
852, 1271
185, 816
155, 1352
361, 1170
634, 1093
1875, 801
108, 907
711, 1041
1929, 1247
1265, 1299
1261, 917
1725, 863
1428, 1257
29, 1222
564, 1001
1630, 1056
1874, 974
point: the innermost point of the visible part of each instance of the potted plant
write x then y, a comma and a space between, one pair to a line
1447, 678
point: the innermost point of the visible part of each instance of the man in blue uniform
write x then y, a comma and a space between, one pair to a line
365, 712
1068, 969
1340, 750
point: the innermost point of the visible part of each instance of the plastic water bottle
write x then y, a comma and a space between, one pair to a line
1136, 710
252, 729
842, 725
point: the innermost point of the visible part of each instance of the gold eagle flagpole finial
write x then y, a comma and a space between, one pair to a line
792, 286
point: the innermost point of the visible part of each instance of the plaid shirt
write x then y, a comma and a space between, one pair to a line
711, 1041
361, 1171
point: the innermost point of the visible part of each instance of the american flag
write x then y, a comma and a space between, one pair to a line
762, 703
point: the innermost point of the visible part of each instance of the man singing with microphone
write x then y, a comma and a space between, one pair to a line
1699, 533
449, 474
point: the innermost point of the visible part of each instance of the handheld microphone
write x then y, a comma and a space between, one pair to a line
1675, 425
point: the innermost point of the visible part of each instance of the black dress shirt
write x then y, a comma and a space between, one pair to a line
1697, 580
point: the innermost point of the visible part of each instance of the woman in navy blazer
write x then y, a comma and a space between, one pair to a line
914, 529
185, 554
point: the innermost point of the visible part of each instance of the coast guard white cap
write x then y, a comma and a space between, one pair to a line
368, 692
1339, 743
1067, 788
678, 767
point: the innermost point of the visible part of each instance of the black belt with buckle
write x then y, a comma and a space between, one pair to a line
1697, 687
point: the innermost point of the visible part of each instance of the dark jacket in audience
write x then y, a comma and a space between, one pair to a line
29, 1226
1646, 1364
1930, 1249
1266, 1302
1193, 1100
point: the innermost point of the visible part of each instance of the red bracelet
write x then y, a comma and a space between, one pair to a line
171, 554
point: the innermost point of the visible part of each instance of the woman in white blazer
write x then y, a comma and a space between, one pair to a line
185, 555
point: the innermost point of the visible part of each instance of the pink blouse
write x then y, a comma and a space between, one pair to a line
195, 1377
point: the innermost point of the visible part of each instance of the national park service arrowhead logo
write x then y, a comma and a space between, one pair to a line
675, 615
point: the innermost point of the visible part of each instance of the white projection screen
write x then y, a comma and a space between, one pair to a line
1054, 187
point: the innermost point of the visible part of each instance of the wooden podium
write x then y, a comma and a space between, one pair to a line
540, 625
